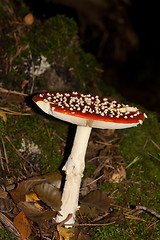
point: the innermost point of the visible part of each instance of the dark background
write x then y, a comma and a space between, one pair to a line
124, 37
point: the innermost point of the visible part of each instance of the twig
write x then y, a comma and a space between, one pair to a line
33, 74
100, 217
48, 131
40, 126
149, 211
18, 153
131, 237
82, 224
65, 220
8, 224
81, 216
133, 217
94, 158
25, 169
1, 160
5, 153
110, 195
109, 142
151, 225
95, 180
8, 111
114, 205
19, 50
155, 144
3, 90
58, 136
99, 168
91, 224
126, 214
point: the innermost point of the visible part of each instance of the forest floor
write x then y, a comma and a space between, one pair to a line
120, 192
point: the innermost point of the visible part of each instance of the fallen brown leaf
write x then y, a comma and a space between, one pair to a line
49, 195
98, 199
83, 236
89, 185
89, 212
3, 194
53, 179
70, 234
19, 194
22, 225
34, 213
6, 205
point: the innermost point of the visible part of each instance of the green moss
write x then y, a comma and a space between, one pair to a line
4, 11
14, 78
86, 70
2, 126
7, 235
135, 192
61, 44
7, 40
89, 169
56, 39
37, 130
142, 184
134, 229
21, 8
141, 142
46, 140
132, 193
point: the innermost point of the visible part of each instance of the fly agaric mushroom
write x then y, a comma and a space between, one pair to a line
86, 112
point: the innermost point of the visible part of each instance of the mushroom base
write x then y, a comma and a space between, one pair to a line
74, 168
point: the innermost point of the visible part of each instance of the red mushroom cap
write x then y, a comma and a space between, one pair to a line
86, 110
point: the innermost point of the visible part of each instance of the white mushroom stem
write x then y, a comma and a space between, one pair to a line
74, 168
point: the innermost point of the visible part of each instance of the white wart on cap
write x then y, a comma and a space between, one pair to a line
87, 110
